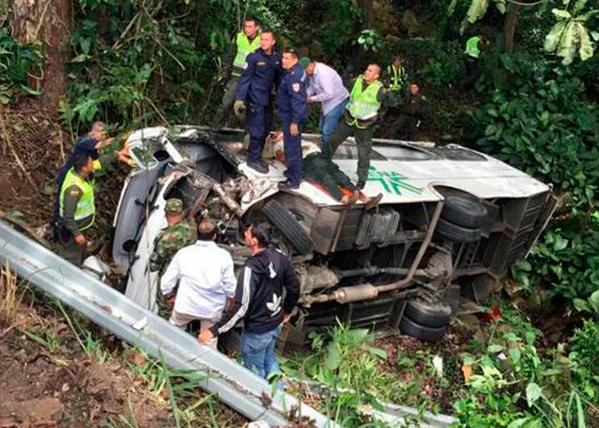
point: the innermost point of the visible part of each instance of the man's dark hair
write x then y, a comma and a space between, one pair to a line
294, 53
378, 67
268, 30
80, 160
252, 18
206, 230
259, 232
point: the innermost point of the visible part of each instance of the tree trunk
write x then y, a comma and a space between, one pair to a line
47, 22
509, 26
366, 6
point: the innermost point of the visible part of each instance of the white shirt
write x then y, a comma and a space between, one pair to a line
326, 87
205, 276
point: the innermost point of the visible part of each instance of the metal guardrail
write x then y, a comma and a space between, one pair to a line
234, 385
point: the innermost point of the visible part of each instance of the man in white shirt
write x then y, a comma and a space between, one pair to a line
326, 87
205, 277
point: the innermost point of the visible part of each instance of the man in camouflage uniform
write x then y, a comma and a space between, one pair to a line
179, 233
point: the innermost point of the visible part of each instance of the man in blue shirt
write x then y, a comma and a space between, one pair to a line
261, 74
293, 111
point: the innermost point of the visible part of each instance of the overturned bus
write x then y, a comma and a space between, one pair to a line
450, 224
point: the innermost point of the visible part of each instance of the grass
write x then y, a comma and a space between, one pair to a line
177, 389
10, 297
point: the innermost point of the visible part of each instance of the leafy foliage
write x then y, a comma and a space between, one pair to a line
347, 363
569, 34
549, 130
16, 62
513, 384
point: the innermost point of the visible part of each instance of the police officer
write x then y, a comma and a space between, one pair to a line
411, 114
262, 73
396, 77
293, 111
472, 55
77, 209
179, 233
245, 43
361, 113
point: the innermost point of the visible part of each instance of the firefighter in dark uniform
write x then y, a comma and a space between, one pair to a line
262, 73
293, 112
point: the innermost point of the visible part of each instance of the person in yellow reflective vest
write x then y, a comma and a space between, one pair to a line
396, 79
76, 203
77, 209
472, 55
244, 43
361, 113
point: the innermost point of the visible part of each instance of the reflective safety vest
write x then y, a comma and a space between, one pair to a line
86, 208
244, 48
398, 77
363, 104
472, 48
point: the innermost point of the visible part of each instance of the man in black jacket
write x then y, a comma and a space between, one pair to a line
259, 301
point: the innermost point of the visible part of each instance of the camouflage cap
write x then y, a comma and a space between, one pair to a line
304, 61
174, 206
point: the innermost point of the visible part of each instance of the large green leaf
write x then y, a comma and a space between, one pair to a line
567, 44
553, 37
477, 10
533, 393
561, 13
578, 6
451, 7
501, 5
586, 49
594, 301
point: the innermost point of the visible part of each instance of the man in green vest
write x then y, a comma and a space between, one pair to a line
244, 43
396, 79
77, 210
472, 55
361, 113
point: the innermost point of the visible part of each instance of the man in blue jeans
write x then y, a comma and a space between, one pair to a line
260, 303
326, 87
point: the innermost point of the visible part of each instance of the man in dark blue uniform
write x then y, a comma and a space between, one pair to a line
293, 111
262, 72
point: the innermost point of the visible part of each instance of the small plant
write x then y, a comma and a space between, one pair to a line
347, 363
16, 63
513, 384
371, 40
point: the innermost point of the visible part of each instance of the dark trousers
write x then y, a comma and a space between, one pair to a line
320, 170
293, 152
404, 126
363, 142
71, 251
472, 66
259, 124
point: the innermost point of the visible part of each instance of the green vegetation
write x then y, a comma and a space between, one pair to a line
16, 63
134, 63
